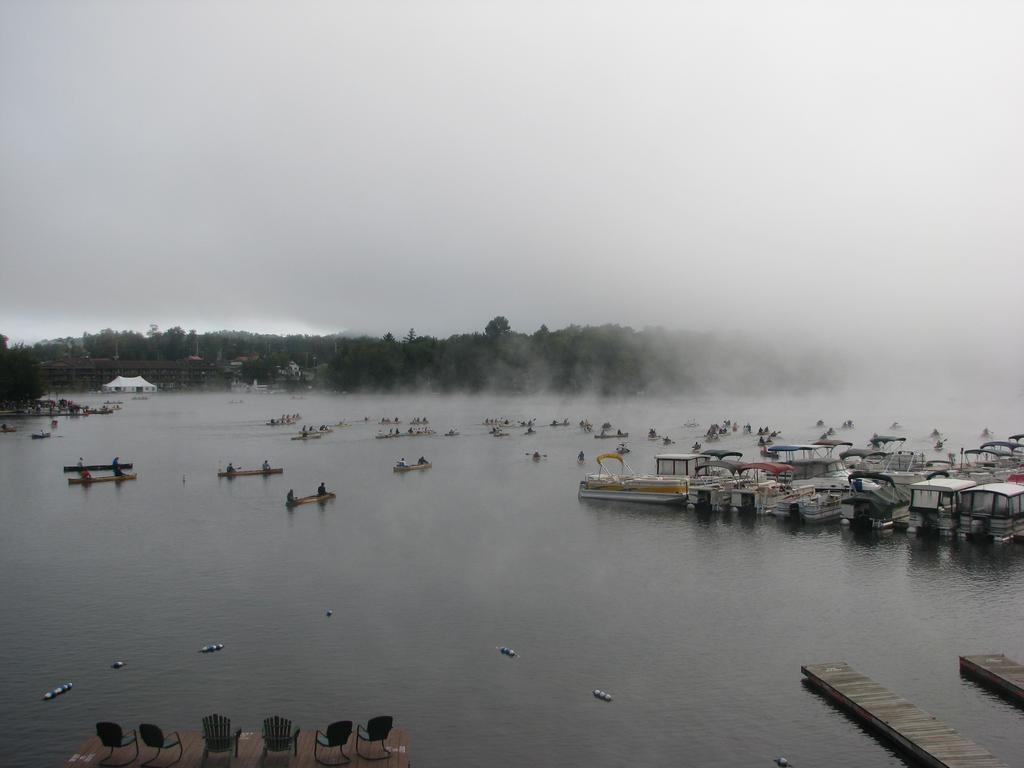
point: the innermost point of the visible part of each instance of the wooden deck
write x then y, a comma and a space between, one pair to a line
1003, 675
912, 730
250, 752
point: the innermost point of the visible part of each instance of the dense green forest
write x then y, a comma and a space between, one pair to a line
607, 359
19, 373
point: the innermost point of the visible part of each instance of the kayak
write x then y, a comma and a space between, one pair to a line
243, 472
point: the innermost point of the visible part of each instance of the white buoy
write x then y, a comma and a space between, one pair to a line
117, 665
211, 648
57, 691
506, 651
782, 762
602, 695
330, 612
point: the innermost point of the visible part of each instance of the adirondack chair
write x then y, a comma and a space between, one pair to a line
112, 736
337, 735
153, 737
377, 729
278, 736
217, 736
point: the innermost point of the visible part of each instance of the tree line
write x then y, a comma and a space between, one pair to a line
606, 359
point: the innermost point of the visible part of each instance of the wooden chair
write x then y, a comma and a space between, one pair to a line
377, 729
278, 736
217, 736
153, 737
337, 735
112, 736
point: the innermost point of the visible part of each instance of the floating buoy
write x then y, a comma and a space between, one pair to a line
781, 762
117, 665
57, 691
211, 648
506, 651
602, 695
330, 612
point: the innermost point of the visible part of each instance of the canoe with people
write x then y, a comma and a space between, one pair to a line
308, 436
322, 494
96, 467
401, 466
266, 469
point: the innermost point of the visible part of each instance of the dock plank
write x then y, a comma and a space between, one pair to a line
250, 753
916, 732
995, 671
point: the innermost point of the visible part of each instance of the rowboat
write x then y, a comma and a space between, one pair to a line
104, 479
243, 472
95, 467
309, 499
40, 435
309, 436
606, 436
411, 467
8, 429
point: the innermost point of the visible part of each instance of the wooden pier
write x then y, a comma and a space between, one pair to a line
912, 730
250, 753
1003, 675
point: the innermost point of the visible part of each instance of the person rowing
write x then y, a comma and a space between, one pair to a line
86, 474
580, 458
266, 465
231, 468
422, 460
291, 496
322, 490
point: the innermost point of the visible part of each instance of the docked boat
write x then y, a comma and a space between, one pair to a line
812, 508
310, 499
877, 501
626, 485
248, 472
711, 488
96, 467
935, 504
994, 511
104, 479
767, 484
815, 465
411, 467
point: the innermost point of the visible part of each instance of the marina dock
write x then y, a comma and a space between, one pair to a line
994, 670
250, 752
912, 730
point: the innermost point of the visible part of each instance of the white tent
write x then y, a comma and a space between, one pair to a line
133, 384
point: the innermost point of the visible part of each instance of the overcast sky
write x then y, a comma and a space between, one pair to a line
384, 165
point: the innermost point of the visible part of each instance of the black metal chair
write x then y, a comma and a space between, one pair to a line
278, 736
217, 736
337, 735
152, 736
377, 729
112, 736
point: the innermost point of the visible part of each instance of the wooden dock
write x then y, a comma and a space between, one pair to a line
250, 753
912, 730
1003, 675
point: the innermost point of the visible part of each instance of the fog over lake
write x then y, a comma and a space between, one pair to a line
696, 624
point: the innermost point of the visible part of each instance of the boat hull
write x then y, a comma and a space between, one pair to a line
310, 499
412, 467
91, 480
97, 467
249, 472
644, 497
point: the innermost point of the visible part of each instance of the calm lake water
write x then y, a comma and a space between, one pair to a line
697, 625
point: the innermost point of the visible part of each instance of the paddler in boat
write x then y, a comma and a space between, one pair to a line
115, 464
580, 458
231, 468
266, 465
322, 490
117, 471
422, 460
291, 495
81, 463
86, 474
401, 462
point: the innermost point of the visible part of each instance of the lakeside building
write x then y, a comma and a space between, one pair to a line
91, 373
